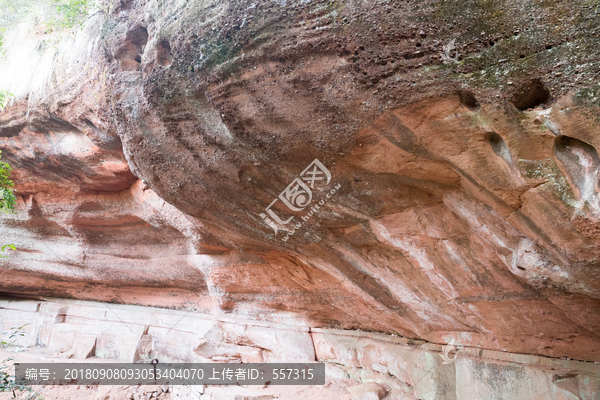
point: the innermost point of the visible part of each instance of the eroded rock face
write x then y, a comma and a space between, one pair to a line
463, 207
388, 367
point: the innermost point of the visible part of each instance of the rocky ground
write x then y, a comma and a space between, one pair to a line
457, 147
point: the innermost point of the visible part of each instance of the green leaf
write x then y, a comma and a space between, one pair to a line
7, 196
4, 95
70, 13
6, 246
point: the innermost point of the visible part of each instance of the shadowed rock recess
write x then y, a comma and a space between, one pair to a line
457, 200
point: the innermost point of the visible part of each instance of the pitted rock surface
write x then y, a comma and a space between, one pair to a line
466, 206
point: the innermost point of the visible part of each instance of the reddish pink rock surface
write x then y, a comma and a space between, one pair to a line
456, 217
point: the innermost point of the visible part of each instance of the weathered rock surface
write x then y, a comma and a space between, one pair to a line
465, 202
369, 365
367, 391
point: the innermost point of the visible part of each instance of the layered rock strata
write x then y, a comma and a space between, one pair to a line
402, 369
456, 200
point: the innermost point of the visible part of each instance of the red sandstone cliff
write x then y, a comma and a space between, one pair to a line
467, 205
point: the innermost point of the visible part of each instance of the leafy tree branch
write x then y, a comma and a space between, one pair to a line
7, 198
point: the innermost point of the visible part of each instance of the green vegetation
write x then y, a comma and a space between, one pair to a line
6, 246
4, 95
55, 14
7, 379
69, 13
12, 12
7, 197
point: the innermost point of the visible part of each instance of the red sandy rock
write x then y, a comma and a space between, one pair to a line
458, 216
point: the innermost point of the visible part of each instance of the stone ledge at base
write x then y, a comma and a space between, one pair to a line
405, 368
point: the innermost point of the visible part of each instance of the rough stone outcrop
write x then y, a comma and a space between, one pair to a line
463, 196
358, 365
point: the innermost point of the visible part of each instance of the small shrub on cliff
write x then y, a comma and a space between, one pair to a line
53, 13
70, 13
7, 197
4, 95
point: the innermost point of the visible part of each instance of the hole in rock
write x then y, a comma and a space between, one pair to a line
125, 4
468, 100
163, 52
532, 95
581, 163
499, 146
521, 268
129, 54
